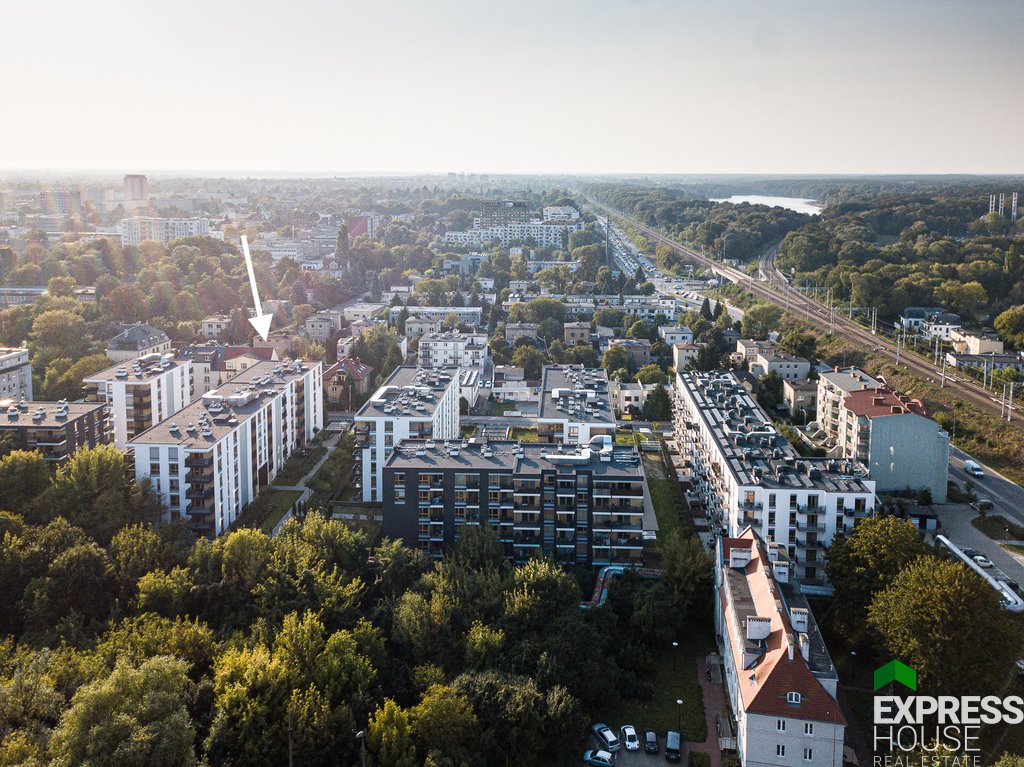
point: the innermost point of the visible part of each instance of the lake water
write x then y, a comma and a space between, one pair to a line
793, 203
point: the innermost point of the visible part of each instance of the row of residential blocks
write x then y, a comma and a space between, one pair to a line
207, 450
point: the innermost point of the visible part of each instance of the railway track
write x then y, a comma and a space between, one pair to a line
778, 291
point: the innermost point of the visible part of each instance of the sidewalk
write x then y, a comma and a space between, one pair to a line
714, 704
331, 445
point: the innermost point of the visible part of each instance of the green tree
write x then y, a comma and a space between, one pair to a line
769, 391
616, 358
687, 570
799, 344
914, 614
24, 477
390, 736
657, 406
649, 374
861, 564
136, 717
57, 333
531, 360
444, 722
760, 319
1010, 325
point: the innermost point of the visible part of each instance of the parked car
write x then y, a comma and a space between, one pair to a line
598, 758
673, 746
605, 736
983, 561
628, 737
651, 741
982, 505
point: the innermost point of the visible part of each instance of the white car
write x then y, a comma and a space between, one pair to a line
629, 738
1020, 666
983, 561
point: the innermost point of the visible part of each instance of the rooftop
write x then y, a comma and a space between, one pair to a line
766, 616
145, 368
220, 411
45, 415
409, 392
754, 449
850, 379
872, 403
617, 461
576, 394
137, 338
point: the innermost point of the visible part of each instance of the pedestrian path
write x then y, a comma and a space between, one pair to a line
714, 704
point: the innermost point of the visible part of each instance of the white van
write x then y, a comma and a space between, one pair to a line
974, 468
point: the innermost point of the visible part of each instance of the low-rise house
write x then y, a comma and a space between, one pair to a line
913, 318
801, 397
136, 340
577, 333
785, 366
684, 353
968, 342
639, 350
675, 335
941, 325
344, 373
322, 326
517, 330
420, 326
212, 328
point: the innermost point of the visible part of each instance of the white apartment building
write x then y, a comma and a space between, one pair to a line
323, 325
941, 325
517, 330
453, 349
560, 213
966, 342
211, 328
781, 681
141, 393
545, 234
675, 335
209, 460
783, 365
833, 387
362, 311
139, 229
470, 315
213, 364
414, 403
137, 340
575, 405
893, 436
748, 475
416, 327
15, 374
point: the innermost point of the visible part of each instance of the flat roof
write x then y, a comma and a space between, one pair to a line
515, 457
410, 392
754, 449
44, 415
850, 379
575, 394
220, 411
144, 368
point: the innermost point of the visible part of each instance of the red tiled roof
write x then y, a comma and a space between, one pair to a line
775, 675
882, 401
358, 369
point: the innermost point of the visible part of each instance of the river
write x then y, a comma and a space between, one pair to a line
793, 203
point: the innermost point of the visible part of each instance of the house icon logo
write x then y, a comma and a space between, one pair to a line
895, 671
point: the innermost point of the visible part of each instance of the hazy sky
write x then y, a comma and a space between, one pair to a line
591, 86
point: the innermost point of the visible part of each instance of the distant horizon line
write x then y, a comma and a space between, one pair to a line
28, 173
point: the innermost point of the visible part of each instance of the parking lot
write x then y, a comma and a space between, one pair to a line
626, 758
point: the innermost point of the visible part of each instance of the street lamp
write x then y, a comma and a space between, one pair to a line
679, 716
675, 646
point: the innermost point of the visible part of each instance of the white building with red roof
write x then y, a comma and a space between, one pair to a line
781, 681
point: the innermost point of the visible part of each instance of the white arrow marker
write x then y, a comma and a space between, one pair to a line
261, 321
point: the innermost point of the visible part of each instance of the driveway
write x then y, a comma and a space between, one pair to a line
956, 525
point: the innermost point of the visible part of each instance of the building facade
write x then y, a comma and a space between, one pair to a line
576, 333
141, 393
56, 429
781, 681
210, 459
15, 373
516, 330
412, 404
139, 229
136, 341
585, 505
747, 474
453, 349
468, 315
833, 386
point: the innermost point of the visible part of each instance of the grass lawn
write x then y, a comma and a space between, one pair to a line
667, 499
1016, 548
995, 527
296, 467
623, 437
523, 434
661, 711
277, 502
469, 430
500, 408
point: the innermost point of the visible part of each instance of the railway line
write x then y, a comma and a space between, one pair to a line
777, 290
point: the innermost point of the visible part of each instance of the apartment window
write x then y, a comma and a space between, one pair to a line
793, 698
808, 728
154, 468
780, 750
780, 725
154, 454
771, 500
808, 755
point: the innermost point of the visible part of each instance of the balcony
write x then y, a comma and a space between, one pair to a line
194, 461
199, 494
197, 478
526, 540
814, 527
